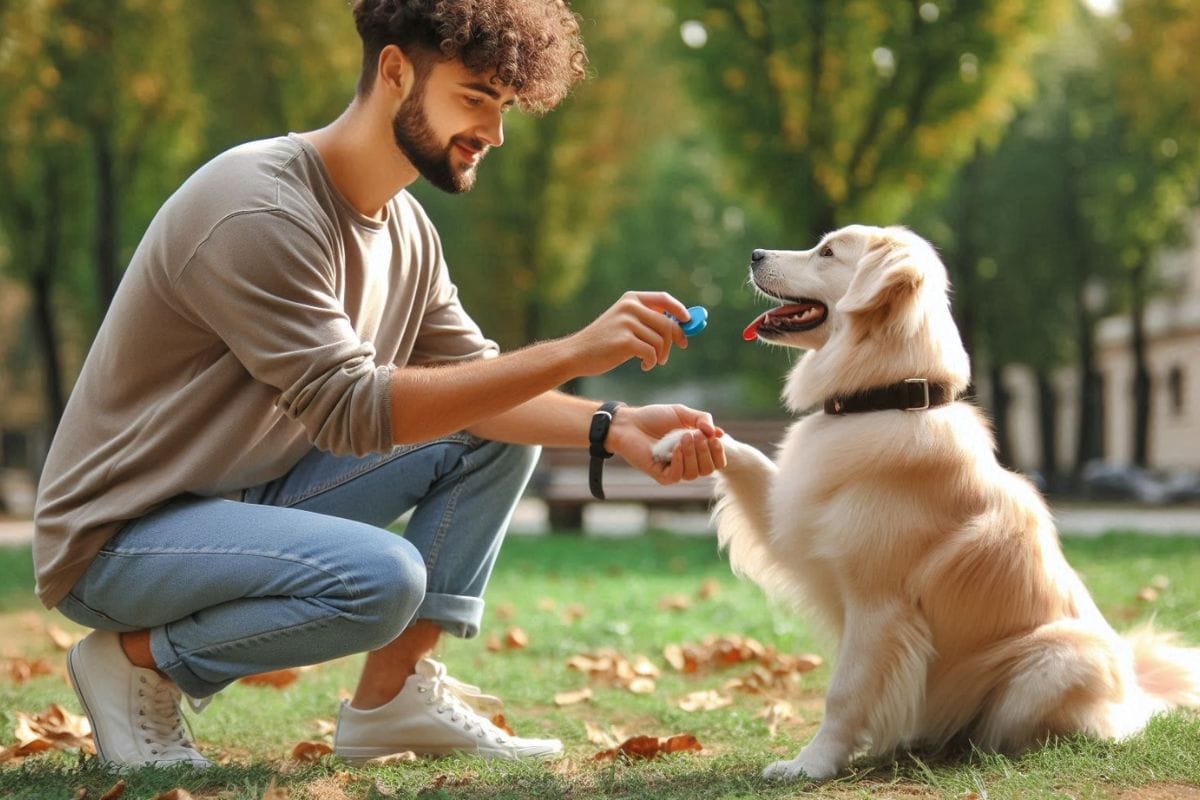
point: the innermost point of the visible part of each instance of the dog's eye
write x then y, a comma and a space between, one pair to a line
827, 251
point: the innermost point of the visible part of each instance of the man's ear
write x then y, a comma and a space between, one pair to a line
887, 275
394, 71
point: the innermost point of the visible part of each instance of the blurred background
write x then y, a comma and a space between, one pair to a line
1048, 148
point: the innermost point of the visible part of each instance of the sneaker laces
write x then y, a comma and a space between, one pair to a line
160, 722
451, 695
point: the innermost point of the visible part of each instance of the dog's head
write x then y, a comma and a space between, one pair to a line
871, 303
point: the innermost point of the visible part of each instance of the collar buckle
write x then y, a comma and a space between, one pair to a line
922, 395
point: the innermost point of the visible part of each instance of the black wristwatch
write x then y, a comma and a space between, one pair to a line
597, 433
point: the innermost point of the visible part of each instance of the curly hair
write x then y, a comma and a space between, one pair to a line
534, 46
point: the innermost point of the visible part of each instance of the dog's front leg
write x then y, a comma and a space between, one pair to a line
875, 696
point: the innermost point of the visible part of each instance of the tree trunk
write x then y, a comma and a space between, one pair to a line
42, 284
1142, 387
1088, 444
106, 216
1048, 428
1000, 405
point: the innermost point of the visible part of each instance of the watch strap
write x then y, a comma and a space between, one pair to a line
597, 433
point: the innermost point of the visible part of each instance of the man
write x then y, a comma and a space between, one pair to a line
285, 370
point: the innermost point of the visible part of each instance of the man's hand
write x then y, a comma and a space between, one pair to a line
635, 430
633, 327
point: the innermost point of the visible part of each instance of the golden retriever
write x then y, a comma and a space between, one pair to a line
939, 571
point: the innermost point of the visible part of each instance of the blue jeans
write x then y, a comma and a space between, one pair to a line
302, 569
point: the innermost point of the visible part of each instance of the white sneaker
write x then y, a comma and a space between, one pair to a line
434, 714
134, 712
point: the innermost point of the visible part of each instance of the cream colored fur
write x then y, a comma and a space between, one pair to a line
939, 571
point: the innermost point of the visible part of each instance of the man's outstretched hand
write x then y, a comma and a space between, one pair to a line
636, 429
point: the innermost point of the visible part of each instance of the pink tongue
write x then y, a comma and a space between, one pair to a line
751, 332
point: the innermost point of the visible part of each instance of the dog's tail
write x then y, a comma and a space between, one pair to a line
1165, 670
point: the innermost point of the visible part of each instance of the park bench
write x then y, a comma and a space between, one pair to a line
561, 478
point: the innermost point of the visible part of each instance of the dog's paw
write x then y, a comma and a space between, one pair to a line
806, 764
665, 446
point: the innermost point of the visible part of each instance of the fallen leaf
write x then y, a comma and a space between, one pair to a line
599, 737
493, 643
775, 713
612, 667
546, 604
707, 700
1161, 582
116, 791
516, 639
22, 669
54, 728
648, 747
274, 792
394, 758
574, 612
675, 602
502, 724
310, 751
80, 793
448, 780
277, 679
641, 685
571, 698
178, 793
505, 611
709, 588
326, 727
1148, 594
62, 640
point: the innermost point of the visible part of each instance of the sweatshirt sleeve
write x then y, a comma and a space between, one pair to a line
268, 288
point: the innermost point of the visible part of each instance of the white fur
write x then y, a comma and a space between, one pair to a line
939, 571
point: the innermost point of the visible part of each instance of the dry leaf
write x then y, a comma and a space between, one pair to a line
599, 737
708, 700
62, 640
493, 643
571, 698
641, 685
310, 751
1161, 582
546, 604
1148, 594
499, 721
274, 792
505, 611
53, 728
178, 793
647, 747
675, 602
709, 588
775, 713
516, 639
80, 793
574, 612
277, 679
394, 758
326, 727
116, 791
610, 666
22, 669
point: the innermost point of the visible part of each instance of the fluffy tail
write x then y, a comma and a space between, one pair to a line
1165, 670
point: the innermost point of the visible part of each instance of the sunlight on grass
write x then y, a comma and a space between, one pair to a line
576, 595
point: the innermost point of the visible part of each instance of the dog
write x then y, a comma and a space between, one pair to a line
886, 515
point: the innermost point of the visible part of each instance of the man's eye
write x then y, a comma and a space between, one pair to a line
474, 102
827, 251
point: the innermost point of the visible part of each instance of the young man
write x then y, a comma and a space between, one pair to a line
285, 370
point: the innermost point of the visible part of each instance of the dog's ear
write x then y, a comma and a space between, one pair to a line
887, 276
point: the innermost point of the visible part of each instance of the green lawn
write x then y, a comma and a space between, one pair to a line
619, 583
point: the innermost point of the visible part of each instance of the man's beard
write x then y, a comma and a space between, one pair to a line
419, 144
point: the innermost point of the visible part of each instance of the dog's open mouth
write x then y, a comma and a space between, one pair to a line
803, 315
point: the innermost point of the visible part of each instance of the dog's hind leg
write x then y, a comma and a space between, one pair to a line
876, 695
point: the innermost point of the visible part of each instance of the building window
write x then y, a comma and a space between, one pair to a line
1175, 389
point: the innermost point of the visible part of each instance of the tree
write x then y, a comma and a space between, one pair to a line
853, 111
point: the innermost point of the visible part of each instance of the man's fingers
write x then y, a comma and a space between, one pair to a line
691, 469
662, 301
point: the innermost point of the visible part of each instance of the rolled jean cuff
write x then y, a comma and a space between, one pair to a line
458, 615
168, 662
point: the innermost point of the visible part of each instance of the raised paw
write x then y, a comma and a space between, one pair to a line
665, 446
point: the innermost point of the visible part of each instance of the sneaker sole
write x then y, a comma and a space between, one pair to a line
358, 755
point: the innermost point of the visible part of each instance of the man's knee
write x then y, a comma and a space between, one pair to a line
392, 594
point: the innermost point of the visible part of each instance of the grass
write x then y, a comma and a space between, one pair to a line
619, 583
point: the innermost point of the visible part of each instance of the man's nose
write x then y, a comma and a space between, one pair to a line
493, 134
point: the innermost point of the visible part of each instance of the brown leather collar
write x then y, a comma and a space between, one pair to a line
910, 394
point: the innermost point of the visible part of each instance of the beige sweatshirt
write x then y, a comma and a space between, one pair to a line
260, 315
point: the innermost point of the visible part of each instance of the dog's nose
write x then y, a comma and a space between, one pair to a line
758, 255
